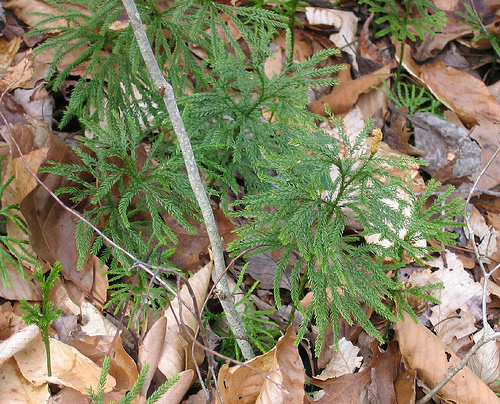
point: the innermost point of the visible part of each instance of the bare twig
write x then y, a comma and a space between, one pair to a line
488, 334
466, 191
166, 91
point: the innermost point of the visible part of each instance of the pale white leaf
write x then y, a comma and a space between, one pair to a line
345, 360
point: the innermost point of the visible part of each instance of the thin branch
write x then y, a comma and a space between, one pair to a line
166, 91
488, 334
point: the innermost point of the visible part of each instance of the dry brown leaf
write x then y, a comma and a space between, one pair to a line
344, 360
374, 104
20, 287
405, 387
14, 76
487, 246
99, 291
25, 10
467, 96
384, 368
345, 21
433, 44
191, 246
344, 96
458, 288
487, 135
175, 394
456, 327
68, 395
274, 64
10, 197
93, 322
122, 368
346, 389
17, 342
426, 354
150, 349
486, 362
303, 49
17, 390
36, 102
174, 358
69, 367
11, 320
198, 398
282, 364
51, 227
20, 74
8, 50
398, 136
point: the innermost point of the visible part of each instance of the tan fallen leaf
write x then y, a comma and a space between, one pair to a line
345, 22
93, 321
15, 389
175, 394
456, 328
282, 364
458, 288
150, 349
174, 356
431, 359
346, 389
17, 342
385, 368
486, 362
20, 286
51, 227
487, 246
466, 95
8, 51
486, 133
345, 360
26, 11
345, 95
274, 64
122, 368
405, 387
69, 367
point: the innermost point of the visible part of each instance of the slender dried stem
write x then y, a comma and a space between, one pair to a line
166, 91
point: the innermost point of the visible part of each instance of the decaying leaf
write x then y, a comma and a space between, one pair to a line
467, 96
51, 227
20, 286
431, 359
20, 390
486, 362
69, 367
17, 342
345, 21
282, 365
345, 360
175, 355
345, 95
149, 351
180, 388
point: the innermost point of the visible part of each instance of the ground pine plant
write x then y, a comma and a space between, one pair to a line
284, 163
305, 210
43, 314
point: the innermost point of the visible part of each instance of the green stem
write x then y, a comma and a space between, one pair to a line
302, 286
293, 12
409, 4
46, 342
